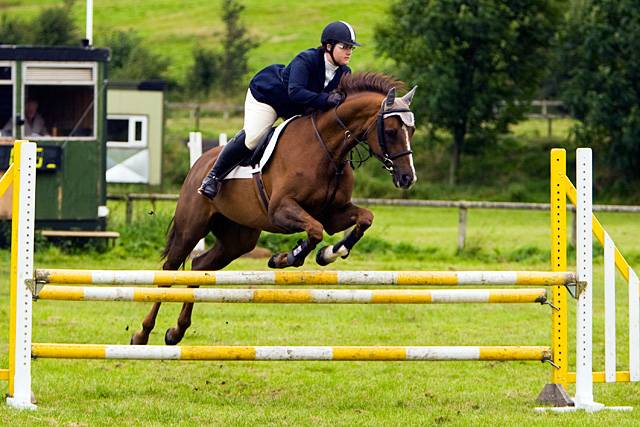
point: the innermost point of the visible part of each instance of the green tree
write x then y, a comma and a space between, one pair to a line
236, 45
476, 62
13, 30
204, 74
131, 60
54, 26
600, 44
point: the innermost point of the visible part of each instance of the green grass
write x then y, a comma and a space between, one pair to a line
321, 393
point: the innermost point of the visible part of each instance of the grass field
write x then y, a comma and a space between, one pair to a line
83, 393
173, 28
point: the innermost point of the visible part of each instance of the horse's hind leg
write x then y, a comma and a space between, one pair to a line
232, 241
179, 246
343, 219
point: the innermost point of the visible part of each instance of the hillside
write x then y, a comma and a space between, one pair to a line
173, 28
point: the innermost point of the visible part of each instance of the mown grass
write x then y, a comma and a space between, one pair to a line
316, 393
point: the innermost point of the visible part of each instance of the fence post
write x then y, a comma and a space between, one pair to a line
128, 208
462, 228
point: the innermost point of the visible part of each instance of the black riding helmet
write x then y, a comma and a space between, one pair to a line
339, 32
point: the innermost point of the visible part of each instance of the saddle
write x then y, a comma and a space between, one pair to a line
261, 155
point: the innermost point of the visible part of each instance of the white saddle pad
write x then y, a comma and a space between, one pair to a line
243, 172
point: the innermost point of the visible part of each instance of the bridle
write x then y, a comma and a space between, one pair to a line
385, 158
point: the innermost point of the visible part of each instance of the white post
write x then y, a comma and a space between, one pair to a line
634, 327
195, 151
22, 233
609, 309
222, 140
89, 22
584, 312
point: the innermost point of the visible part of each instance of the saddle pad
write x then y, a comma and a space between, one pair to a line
246, 172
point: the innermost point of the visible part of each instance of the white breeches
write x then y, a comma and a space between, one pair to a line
258, 119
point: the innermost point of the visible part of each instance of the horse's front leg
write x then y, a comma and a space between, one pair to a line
288, 215
341, 220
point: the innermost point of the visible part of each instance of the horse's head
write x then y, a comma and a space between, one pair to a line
391, 143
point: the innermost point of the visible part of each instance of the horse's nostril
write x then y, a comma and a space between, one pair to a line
406, 179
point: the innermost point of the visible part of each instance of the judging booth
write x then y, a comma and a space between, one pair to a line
56, 97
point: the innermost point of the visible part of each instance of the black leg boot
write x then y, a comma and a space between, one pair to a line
231, 155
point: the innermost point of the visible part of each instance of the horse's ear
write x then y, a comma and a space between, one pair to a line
391, 98
409, 96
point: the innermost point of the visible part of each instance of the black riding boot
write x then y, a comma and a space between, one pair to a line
231, 155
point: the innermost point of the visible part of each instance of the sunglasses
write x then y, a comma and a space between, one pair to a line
345, 46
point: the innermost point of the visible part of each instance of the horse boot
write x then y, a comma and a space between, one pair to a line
231, 155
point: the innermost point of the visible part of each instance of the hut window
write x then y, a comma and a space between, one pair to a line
126, 131
65, 95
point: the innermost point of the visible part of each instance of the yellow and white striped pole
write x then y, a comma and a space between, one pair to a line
319, 278
293, 296
22, 233
284, 353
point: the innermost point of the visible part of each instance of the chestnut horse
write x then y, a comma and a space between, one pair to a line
308, 182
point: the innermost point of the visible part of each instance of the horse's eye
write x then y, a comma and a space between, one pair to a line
391, 132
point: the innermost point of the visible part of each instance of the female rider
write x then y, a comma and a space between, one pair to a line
279, 91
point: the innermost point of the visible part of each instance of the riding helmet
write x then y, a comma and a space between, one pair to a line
339, 32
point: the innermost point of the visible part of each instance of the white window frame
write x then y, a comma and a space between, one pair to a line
131, 143
45, 82
10, 82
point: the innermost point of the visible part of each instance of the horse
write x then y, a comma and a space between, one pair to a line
308, 182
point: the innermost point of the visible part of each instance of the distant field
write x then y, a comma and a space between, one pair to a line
173, 28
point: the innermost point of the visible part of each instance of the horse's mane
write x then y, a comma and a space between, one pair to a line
368, 82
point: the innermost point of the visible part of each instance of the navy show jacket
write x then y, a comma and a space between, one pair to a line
292, 89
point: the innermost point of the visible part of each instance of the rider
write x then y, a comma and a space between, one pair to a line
279, 91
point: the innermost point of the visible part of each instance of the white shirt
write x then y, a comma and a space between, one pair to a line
329, 71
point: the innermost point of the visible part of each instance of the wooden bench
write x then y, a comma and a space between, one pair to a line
110, 235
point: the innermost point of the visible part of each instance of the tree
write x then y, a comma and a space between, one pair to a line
54, 26
204, 74
13, 30
477, 62
235, 48
600, 45
131, 60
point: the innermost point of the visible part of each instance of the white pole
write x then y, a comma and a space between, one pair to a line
609, 309
634, 326
89, 22
222, 140
195, 151
22, 233
584, 312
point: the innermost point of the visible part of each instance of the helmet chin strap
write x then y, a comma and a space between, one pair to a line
333, 60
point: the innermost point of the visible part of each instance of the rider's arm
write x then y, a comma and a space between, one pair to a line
298, 92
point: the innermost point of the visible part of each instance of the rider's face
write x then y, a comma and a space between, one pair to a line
342, 53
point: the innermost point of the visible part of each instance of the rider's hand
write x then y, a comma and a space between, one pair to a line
334, 99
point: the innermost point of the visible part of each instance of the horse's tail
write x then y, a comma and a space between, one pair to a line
171, 234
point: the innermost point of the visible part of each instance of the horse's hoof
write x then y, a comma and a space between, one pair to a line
137, 340
320, 257
170, 339
278, 261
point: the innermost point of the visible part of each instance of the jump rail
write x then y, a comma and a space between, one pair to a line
330, 278
352, 353
293, 296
